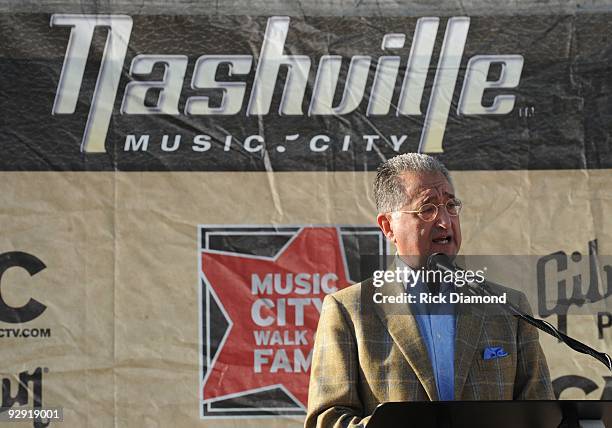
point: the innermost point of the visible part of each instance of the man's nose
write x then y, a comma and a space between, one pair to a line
443, 218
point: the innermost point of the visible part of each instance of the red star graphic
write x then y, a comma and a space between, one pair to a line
314, 252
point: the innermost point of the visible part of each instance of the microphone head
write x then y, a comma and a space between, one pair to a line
439, 260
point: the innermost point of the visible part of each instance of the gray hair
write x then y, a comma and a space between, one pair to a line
389, 191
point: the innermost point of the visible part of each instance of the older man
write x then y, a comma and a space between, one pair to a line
367, 353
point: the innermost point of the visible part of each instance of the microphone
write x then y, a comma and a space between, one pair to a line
442, 262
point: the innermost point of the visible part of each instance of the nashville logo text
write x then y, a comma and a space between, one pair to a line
267, 66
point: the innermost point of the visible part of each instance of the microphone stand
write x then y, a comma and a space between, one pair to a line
441, 261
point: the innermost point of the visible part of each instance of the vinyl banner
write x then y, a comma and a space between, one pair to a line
180, 190
279, 93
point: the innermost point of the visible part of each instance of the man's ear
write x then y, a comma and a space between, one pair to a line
385, 225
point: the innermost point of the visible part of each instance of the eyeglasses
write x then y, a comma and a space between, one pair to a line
429, 212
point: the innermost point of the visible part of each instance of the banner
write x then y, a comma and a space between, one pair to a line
179, 190
100, 92
263, 290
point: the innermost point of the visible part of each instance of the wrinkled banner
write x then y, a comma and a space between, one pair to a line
179, 192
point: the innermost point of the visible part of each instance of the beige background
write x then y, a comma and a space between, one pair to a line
121, 283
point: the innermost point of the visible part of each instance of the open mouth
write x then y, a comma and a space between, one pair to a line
442, 240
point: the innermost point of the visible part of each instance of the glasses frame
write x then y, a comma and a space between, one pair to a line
437, 208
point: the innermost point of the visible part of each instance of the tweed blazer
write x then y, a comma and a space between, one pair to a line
366, 354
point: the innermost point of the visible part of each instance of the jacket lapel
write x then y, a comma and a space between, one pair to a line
404, 330
470, 320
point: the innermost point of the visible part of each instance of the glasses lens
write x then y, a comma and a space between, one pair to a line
428, 212
453, 206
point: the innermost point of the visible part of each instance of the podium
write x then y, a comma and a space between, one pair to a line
493, 414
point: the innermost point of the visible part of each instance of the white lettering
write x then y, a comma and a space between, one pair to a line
105, 91
260, 358
201, 143
272, 57
444, 85
175, 144
419, 58
475, 83
326, 83
170, 86
204, 78
256, 309
252, 149
397, 143
281, 362
270, 60
319, 148
301, 364
370, 141
131, 144
259, 286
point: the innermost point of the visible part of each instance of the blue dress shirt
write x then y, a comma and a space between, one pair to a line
437, 327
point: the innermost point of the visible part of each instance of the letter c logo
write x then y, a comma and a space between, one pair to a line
32, 308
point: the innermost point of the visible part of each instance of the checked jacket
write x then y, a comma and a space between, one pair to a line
366, 354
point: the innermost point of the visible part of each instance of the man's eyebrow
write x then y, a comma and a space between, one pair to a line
424, 190
427, 199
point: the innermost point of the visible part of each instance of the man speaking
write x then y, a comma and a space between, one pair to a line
367, 353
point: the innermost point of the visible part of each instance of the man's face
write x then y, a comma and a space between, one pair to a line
414, 238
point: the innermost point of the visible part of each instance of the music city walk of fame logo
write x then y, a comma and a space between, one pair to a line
262, 292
